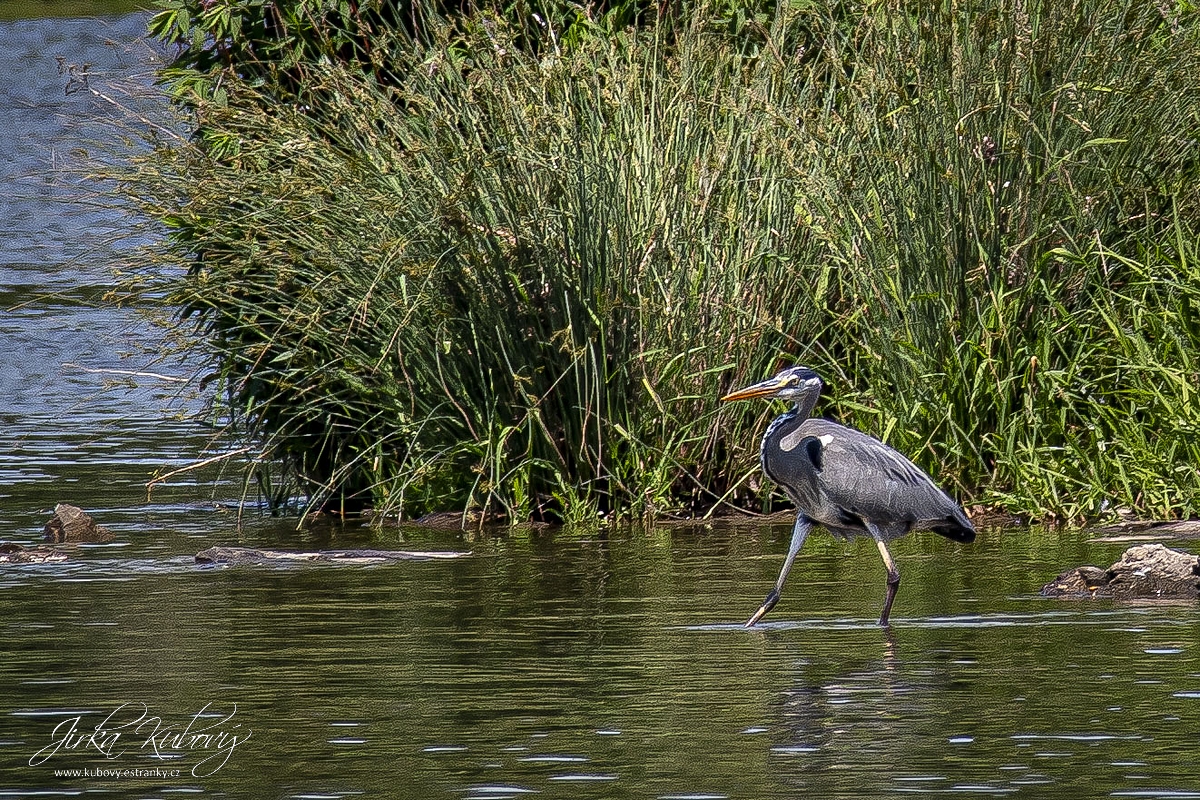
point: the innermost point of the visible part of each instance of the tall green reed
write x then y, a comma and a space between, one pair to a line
518, 280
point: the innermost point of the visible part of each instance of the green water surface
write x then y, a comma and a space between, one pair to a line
33, 9
607, 664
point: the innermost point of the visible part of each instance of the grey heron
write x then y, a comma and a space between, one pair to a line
849, 482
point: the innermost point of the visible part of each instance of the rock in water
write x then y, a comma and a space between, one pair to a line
1144, 572
72, 524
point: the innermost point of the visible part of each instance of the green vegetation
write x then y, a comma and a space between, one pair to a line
276, 45
517, 274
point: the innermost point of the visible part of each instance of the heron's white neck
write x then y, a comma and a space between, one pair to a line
804, 404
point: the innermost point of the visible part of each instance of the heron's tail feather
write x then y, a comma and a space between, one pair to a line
956, 527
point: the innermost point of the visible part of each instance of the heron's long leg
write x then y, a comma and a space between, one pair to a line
893, 573
799, 533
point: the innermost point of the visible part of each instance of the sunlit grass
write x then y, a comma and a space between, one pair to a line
519, 283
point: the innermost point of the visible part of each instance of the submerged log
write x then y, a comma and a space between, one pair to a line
1134, 530
12, 553
72, 524
248, 555
1144, 572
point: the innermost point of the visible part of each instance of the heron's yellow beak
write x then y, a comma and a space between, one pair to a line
767, 388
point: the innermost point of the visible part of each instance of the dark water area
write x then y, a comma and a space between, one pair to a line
590, 663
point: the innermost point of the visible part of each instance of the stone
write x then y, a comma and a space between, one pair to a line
72, 524
1144, 572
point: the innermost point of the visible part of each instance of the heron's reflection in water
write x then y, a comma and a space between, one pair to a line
873, 721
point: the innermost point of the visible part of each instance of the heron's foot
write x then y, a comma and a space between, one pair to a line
893, 584
768, 604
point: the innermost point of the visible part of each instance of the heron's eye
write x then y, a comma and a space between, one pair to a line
793, 381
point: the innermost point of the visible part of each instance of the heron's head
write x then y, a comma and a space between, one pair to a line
798, 385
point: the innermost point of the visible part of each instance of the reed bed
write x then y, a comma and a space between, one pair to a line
516, 279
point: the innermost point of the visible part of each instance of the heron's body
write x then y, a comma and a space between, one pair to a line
846, 481
841, 478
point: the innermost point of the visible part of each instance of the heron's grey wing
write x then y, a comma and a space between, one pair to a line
864, 477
